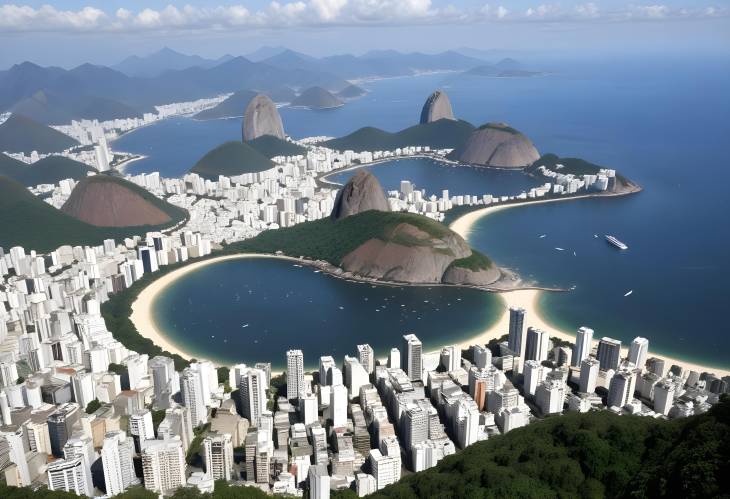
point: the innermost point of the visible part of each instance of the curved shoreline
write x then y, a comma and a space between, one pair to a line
528, 298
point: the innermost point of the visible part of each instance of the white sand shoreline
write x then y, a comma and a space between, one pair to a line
528, 298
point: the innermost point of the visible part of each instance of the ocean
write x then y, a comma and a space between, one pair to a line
661, 123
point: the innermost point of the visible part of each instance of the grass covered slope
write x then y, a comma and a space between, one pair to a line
271, 146
441, 134
21, 134
230, 159
34, 224
49, 170
597, 454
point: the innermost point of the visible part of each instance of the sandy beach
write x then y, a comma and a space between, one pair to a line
528, 299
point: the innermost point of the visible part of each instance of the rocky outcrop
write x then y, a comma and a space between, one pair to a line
361, 193
408, 254
497, 145
107, 201
461, 275
437, 107
262, 118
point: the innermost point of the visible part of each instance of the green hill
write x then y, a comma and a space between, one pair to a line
233, 106
49, 170
21, 134
597, 454
441, 134
231, 158
271, 146
32, 223
575, 166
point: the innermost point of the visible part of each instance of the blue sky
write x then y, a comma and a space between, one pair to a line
70, 32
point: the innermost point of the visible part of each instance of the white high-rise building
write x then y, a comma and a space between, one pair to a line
13, 435
166, 381
550, 396
308, 408
84, 388
638, 352
163, 465
191, 387
450, 358
385, 468
664, 392
366, 355
253, 395
365, 484
71, 475
609, 353
141, 427
621, 389
589, 368
218, 452
583, 340
319, 482
534, 374
326, 365
538, 344
338, 406
415, 426
394, 359
482, 356
116, 458
355, 376
516, 334
294, 374
412, 361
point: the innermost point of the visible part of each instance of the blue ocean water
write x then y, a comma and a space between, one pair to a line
662, 123
253, 310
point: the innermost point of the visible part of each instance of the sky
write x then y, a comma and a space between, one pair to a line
68, 33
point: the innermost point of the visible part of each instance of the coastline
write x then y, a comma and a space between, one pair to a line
528, 298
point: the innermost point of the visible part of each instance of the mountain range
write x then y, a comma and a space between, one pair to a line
55, 95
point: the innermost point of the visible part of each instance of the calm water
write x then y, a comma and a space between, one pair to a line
434, 176
282, 307
663, 124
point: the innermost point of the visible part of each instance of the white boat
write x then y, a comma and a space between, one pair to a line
560, 249
612, 240
543, 236
574, 254
629, 293
245, 325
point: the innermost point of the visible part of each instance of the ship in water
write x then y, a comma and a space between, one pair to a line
615, 242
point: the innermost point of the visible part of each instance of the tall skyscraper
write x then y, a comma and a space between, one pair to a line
338, 406
412, 361
116, 458
583, 340
638, 351
534, 374
516, 338
550, 396
538, 344
163, 465
482, 356
218, 452
294, 374
589, 368
253, 395
60, 425
355, 376
394, 359
621, 389
664, 392
166, 381
13, 435
609, 353
319, 482
415, 426
70, 475
191, 387
366, 355
450, 358
141, 427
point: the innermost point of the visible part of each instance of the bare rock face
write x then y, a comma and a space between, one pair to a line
460, 275
361, 193
109, 202
498, 145
437, 107
262, 118
409, 255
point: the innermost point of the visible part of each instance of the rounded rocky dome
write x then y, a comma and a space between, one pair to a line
262, 118
361, 193
437, 107
498, 145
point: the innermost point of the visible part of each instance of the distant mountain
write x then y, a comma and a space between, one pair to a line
233, 106
289, 59
351, 92
21, 134
317, 98
271, 146
164, 60
265, 52
49, 170
110, 201
51, 109
22, 213
281, 94
441, 134
230, 159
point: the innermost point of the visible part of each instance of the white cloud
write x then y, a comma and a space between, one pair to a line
277, 14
